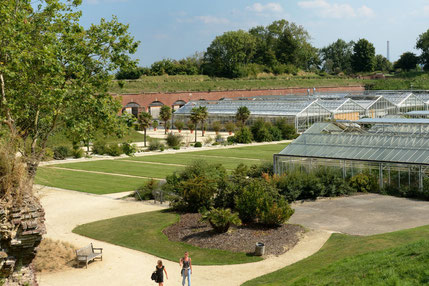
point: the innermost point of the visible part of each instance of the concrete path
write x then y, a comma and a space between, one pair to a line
362, 214
122, 266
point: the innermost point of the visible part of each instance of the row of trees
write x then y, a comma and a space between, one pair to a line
281, 47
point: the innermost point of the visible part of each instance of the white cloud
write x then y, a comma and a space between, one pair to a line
337, 11
269, 7
212, 20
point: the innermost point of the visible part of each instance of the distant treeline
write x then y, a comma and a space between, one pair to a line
282, 48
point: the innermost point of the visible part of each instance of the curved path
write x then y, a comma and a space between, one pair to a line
122, 266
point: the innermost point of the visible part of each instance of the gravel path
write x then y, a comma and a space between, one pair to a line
122, 266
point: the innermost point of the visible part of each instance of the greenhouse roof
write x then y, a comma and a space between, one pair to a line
418, 112
400, 98
335, 105
409, 149
392, 121
256, 107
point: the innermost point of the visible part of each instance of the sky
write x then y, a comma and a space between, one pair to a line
177, 29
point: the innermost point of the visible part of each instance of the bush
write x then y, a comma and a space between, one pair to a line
99, 147
179, 125
221, 219
114, 150
243, 135
190, 125
361, 183
298, 185
155, 144
276, 133
61, 152
48, 155
216, 126
230, 126
198, 145
129, 149
146, 192
78, 153
174, 140
275, 213
260, 131
256, 170
332, 180
288, 131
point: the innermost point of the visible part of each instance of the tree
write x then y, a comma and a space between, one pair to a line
199, 115
407, 61
382, 64
242, 114
363, 57
336, 57
165, 115
145, 121
423, 45
228, 52
54, 73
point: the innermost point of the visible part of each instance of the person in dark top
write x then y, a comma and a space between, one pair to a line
160, 269
186, 264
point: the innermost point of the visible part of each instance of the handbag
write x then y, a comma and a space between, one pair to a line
153, 276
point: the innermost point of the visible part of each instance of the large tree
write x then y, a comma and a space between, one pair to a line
228, 53
145, 121
382, 64
407, 61
53, 73
336, 57
423, 45
363, 57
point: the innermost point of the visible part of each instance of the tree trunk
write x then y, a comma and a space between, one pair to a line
145, 137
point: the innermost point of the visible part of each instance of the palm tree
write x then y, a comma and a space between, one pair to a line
165, 115
242, 114
145, 121
203, 115
195, 118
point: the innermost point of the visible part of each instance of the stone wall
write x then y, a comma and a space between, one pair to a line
21, 230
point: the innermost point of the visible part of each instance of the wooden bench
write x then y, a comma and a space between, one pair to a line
88, 253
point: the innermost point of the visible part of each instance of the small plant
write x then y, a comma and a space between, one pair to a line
221, 219
99, 147
155, 125
361, 183
48, 155
78, 153
216, 126
129, 149
179, 125
114, 150
191, 126
146, 192
243, 135
174, 140
156, 144
61, 152
230, 127
198, 145
275, 213
208, 140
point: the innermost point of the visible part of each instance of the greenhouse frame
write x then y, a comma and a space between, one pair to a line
396, 152
345, 109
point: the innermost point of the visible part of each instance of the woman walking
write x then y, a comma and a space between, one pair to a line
160, 269
186, 264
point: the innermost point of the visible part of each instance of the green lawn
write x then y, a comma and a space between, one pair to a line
85, 182
397, 258
104, 183
143, 232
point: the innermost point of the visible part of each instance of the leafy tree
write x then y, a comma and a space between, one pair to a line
194, 118
228, 52
145, 121
199, 115
363, 57
382, 64
55, 73
423, 45
242, 114
407, 61
165, 115
336, 57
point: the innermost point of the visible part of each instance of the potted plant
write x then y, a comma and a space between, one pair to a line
179, 125
230, 127
216, 126
154, 125
191, 126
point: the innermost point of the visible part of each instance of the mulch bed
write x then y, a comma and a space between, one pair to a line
238, 239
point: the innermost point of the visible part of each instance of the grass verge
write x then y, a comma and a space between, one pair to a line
356, 260
143, 232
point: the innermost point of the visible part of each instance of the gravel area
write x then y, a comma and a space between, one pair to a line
238, 239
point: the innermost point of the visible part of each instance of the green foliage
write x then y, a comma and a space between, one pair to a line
156, 144
407, 61
187, 66
129, 149
216, 126
221, 219
363, 57
382, 64
423, 45
174, 140
230, 126
276, 133
272, 213
336, 57
198, 145
190, 125
155, 124
261, 131
99, 147
146, 191
242, 114
61, 152
48, 155
288, 131
165, 115
361, 183
195, 186
257, 170
78, 153
113, 149
243, 135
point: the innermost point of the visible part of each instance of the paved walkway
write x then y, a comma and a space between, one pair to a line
121, 266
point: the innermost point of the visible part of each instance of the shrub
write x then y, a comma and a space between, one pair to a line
129, 149
243, 135
155, 124
274, 213
78, 153
198, 145
190, 125
61, 152
221, 219
230, 127
99, 147
146, 192
288, 131
298, 185
260, 131
208, 140
155, 144
332, 180
179, 125
256, 170
114, 150
216, 126
361, 183
174, 140
276, 133
48, 155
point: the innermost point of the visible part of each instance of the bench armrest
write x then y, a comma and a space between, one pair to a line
98, 249
80, 255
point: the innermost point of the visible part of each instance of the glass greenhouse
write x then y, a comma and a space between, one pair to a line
345, 109
396, 152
